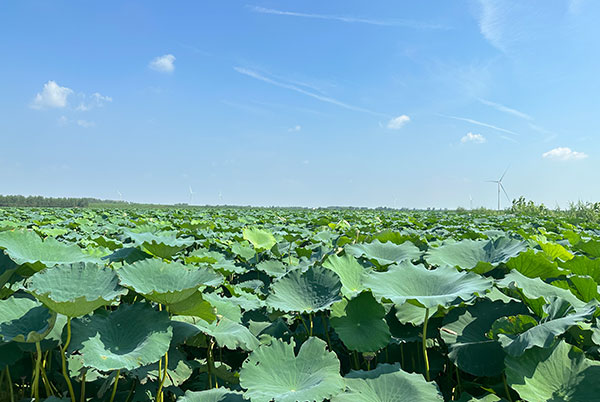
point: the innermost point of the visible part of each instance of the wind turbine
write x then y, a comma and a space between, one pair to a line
220, 198
120, 195
500, 187
470, 201
191, 195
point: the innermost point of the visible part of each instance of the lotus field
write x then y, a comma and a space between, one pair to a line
225, 304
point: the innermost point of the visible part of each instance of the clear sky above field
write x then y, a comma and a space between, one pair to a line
385, 103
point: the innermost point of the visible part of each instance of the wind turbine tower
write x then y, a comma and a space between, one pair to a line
500, 187
191, 195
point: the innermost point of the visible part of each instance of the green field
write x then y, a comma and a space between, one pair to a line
233, 304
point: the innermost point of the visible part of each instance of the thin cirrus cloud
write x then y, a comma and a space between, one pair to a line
475, 138
564, 154
398, 122
163, 64
480, 123
295, 88
95, 100
51, 96
505, 109
349, 19
296, 128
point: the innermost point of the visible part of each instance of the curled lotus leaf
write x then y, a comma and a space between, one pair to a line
161, 244
213, 395
384, 253
350, 273
478, 255
314, 290
388, 383
443, 286
559, 373
26, 247
25, 320
273, 372
75, 289
164, 282
132, 336
261, 239
227, 333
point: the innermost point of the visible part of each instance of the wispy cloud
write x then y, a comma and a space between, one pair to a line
505, 109
470, 137
564, 154
398, 122
292, 87
350, 19
296, 128
93, 101
479, 123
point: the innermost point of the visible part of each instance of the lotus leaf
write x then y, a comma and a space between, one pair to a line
227, 333
477, 255
384, 253
163, 245
166, 283
273, 372
559, 373
361, 325
24, 320
212, 395
75, 289
388, 383
534, 265
127, 338
465, 331
314, 290
431, 288
26, 247
261, 239
349, 271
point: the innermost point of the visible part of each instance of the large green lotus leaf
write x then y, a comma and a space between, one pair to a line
24, 320
134, 335
75, 289
273, 373
163, 245
261, 239
465, 332
166, 283
477, 255
560, 316
212, 395
196, 306
362, 326
26, 247
179, 370
582, 265
584, 287
560, 373
464, 397
349, 271
7, 269
432, 288
227, 333
273, 268
385, 253
10, 353
388, 383
554, 251
535, 265
535, 292
224, 306
590, 247
314, 290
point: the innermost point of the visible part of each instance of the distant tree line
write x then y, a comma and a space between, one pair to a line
39, 201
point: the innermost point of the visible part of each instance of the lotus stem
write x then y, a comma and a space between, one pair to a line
326, 329
164, 376
63, 351
304, 323
10, 385
209, 361
506, 388
131, 391
425, 345
82, 393
356, 363
36, 376
114, 391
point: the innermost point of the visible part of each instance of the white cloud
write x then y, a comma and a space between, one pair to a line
397, 122
164, 64
93, 101
85, 123
295, 128
52, 96
476, 138
564, 154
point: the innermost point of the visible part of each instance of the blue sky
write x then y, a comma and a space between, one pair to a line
311, 103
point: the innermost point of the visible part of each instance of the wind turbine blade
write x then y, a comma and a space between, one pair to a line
502, 177
491, 181
507, 197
